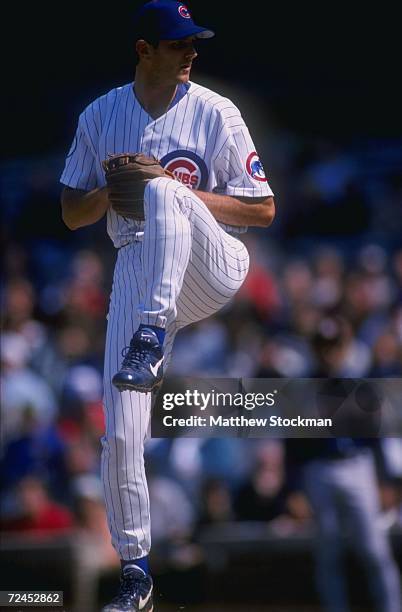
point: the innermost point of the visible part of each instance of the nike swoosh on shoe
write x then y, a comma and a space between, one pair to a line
154, 369
143, 602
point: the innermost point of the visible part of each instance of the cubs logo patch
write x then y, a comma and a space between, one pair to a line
183, 11
188, 168
254, 167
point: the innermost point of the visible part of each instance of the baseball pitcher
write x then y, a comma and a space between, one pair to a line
173, 165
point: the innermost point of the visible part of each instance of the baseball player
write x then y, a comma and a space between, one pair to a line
179, 259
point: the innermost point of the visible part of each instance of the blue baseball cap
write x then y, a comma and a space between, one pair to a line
167, 20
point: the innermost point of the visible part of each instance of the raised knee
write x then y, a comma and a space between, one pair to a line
161, 187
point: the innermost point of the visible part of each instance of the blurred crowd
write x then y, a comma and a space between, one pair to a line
323, 298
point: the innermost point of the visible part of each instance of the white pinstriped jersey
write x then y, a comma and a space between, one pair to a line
202, 139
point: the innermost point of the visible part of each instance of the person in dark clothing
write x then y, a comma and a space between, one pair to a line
339, 477
263, 496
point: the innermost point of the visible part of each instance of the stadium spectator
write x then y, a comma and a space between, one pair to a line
37, 513
263, 496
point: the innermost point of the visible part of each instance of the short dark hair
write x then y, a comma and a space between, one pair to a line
149, 38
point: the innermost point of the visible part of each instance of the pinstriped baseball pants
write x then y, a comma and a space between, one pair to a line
185, 269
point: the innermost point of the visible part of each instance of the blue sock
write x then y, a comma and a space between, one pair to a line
141, 563
159, 331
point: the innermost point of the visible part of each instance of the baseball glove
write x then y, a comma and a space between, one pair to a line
127, 175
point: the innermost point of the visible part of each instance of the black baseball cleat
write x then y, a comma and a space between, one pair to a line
135, 593
142, 368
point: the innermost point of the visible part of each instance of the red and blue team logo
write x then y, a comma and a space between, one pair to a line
183, 11
254, 167
188, 168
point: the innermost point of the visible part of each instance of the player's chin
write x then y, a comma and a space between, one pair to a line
183, 75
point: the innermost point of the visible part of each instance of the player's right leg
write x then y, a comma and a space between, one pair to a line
127, 418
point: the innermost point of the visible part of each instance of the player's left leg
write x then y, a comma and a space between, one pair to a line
217, 267
190, 265
165, 252
188, 262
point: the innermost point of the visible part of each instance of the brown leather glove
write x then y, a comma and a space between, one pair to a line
127, 175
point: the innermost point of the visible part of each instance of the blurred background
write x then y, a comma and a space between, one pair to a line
232, 519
